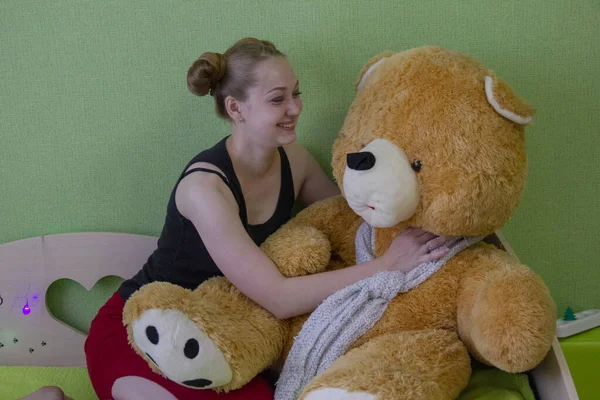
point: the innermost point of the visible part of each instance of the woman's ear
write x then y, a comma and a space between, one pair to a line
234, 109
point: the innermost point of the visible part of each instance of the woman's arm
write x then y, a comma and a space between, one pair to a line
209, 204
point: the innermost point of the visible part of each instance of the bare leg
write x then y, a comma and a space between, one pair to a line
135, 387
47, 393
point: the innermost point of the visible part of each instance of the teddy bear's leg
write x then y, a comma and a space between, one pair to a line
506, 316
427, 364
211, 338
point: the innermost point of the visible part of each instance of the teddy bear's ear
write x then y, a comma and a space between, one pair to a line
506, 102
370, 66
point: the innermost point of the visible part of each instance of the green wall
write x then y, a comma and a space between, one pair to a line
96, 121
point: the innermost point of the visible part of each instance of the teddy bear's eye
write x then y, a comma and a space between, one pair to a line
416, 165
152, 334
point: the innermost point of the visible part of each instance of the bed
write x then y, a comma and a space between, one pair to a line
37, 348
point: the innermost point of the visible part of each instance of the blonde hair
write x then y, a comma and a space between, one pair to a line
231, 73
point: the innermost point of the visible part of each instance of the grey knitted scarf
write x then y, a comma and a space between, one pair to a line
347, 314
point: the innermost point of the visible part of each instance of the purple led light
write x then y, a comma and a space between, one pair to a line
26, 309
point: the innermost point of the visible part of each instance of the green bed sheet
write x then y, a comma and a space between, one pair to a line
16, 382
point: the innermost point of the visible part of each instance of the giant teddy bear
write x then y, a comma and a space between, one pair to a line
433, 139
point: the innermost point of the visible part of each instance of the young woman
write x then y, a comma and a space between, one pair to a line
227, 201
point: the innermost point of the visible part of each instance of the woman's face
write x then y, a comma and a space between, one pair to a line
273, 104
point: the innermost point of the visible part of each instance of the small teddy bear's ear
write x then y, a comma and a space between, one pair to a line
370, 66
506, 102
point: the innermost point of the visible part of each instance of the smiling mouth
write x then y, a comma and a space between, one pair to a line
286, 126
371, 207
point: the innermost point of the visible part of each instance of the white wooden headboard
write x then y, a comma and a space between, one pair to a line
29, 267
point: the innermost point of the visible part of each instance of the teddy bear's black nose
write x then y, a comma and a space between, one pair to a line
362, 161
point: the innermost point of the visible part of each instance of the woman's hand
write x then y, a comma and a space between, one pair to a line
413, 247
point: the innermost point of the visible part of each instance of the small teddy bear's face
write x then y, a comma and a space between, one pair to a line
435, 140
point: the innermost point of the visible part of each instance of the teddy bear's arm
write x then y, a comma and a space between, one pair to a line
305, 244
335, 218
505, 314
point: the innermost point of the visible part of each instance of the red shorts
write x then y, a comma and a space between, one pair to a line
110, 357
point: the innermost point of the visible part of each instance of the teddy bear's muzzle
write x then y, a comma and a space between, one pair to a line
380, 184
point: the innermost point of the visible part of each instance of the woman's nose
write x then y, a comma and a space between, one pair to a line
294, 107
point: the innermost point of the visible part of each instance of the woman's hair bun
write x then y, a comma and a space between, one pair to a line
206, 72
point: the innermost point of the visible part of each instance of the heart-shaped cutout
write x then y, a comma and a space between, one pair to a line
72, 304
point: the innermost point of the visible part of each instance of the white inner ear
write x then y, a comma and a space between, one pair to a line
371, 69
489, 92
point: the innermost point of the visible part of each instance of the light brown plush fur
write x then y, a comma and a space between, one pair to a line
431, 103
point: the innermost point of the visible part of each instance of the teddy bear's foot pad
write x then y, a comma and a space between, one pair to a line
180, 349
338, 394
210, 337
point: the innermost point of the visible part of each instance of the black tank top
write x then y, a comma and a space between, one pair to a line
181, 257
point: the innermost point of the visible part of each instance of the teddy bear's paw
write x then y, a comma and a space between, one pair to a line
509, 322
298, 250
180, 349
338, 394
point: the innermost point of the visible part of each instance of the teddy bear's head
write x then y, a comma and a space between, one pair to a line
433, 139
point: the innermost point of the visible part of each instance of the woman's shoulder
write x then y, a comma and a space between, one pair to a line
202, 165
299, 159
202, 189
298, 156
